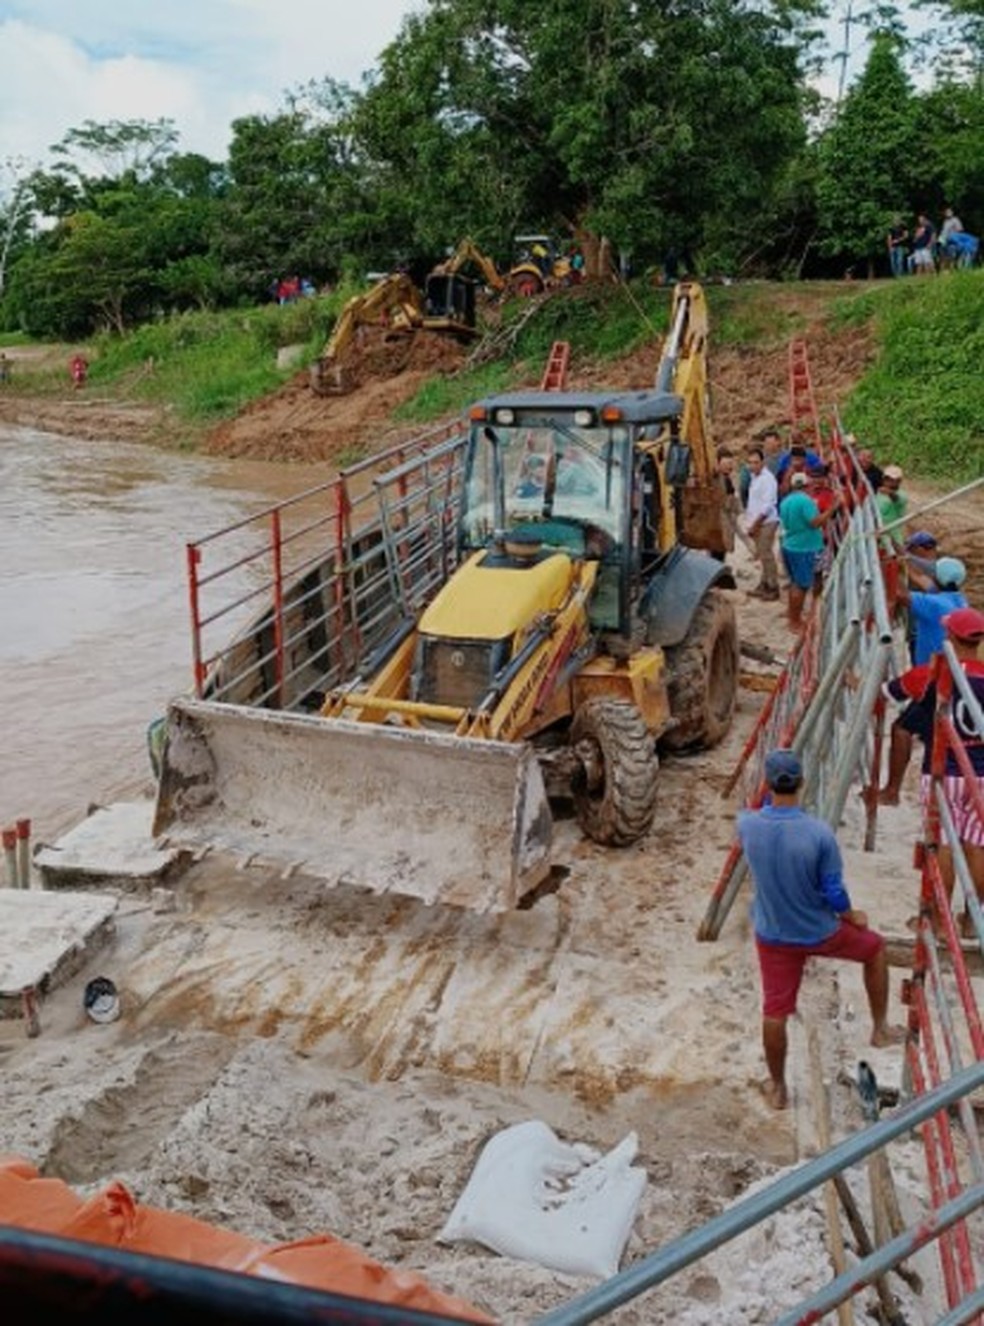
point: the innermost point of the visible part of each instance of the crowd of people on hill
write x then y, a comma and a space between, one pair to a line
925, 249
781, 496
289, 289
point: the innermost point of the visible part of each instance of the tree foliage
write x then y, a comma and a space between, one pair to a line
656, 124
683, 125
868, 156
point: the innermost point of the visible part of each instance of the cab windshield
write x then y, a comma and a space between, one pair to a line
563, 483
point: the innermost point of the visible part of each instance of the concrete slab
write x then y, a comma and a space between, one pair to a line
46, 937
112, 846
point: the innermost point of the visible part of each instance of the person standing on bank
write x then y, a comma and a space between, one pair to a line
897, 242
801, 909
802, 524
763, 520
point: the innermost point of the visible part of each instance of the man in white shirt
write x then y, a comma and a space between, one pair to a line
762, 515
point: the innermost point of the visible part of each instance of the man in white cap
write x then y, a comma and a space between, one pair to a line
892, 504
801, 539
800, 910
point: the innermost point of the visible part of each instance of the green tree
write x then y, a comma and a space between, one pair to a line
951, 124
868, 159
655, 123
297, 197
15, 212
127, 244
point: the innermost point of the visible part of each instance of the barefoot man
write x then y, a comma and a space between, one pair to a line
801, 909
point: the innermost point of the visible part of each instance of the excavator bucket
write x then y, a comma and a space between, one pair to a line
446, 819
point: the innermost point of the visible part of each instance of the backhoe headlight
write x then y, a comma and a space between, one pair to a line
505, 417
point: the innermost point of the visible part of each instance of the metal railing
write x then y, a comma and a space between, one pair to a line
659, 1266
824, 698
295, 600
827, 705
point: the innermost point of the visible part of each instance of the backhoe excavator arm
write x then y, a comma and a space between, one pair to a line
692, 497
395, 296
469, 252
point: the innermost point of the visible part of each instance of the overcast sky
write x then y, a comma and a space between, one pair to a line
200, 63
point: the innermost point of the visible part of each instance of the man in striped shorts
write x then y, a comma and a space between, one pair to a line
965, 631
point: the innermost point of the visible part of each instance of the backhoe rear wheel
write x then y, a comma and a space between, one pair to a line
703, 676
614, 786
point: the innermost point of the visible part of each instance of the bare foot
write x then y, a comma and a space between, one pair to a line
774, 1094
888, 1036
888, 797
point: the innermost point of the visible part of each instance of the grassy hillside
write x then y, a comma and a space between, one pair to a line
921, 403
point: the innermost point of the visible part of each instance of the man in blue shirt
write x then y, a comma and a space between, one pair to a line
937, 595
801, 909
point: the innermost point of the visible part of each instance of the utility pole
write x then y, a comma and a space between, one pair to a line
15, 209
845, 53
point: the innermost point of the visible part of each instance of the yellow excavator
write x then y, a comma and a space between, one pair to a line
581, 631
395, 304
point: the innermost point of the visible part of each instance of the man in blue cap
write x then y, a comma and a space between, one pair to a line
801, 909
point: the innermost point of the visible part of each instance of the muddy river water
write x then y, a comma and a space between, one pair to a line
94, 623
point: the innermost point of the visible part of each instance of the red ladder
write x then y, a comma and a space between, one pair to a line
555, 374
803, 418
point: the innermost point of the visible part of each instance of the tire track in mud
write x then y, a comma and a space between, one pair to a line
118, 1128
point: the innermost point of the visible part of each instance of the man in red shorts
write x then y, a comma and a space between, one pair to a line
801, 909
964, 629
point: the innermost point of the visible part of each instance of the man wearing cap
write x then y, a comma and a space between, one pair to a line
892, 504
938, 594
800, 910
801, 537
921, 551
927, 608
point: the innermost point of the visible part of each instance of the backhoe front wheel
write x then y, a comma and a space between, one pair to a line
703, 676
614, 784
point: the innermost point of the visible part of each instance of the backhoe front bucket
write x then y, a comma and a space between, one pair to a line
443, 818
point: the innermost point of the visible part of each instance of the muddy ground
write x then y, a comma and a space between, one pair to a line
292, 1060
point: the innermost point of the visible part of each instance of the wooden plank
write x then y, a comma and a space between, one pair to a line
821, 1105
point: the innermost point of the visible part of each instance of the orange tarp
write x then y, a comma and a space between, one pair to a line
114, 1218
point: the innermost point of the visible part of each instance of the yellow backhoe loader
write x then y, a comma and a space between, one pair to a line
395, 303
538, 266
580, 629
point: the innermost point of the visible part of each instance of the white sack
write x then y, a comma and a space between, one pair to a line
536, 1198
